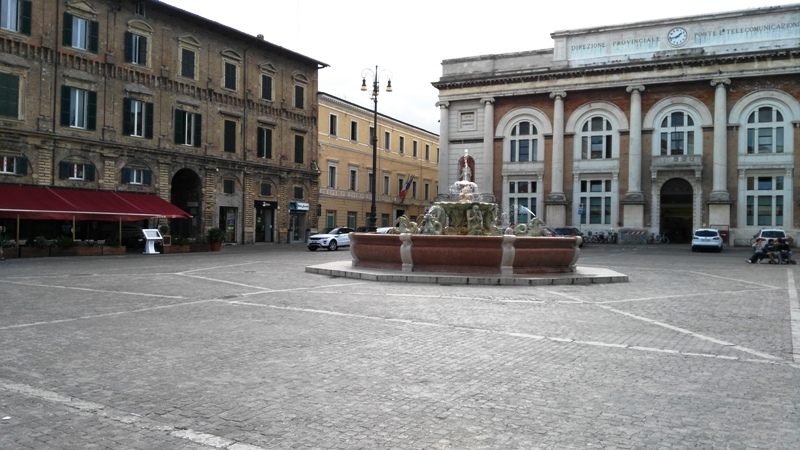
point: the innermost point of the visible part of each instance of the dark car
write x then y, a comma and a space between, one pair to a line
569, 231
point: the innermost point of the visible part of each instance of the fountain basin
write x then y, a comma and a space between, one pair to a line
506, 255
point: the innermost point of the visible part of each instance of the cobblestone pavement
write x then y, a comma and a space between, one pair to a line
243, 350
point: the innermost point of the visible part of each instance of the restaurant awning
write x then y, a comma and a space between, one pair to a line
44, 202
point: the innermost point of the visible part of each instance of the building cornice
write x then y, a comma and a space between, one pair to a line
564, 77
323, 97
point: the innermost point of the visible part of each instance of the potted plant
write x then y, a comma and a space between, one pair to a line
35, 248
112, 247
64, 246
7, 249
89, 248
216, 237
200, 244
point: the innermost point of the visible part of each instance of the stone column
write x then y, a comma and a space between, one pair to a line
486, 183
719, 201
444, 149
556, 210
633, 202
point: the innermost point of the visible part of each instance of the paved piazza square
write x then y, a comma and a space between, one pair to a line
244, 350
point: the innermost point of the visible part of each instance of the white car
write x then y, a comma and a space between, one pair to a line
330, 238
706, 238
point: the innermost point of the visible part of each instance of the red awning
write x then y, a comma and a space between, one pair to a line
43, 202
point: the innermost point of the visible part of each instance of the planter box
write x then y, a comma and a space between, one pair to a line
58, 251
175, 249
33, 252
90, 251
199, 248
119, 250
10, 252
216, 246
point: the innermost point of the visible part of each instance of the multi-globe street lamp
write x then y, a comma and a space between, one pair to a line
373, 215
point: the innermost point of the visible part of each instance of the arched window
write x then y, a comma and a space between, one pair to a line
597, 138
524, 143
765, 128
677, 133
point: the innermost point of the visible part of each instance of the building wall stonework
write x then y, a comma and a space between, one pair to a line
44, 63
714, 81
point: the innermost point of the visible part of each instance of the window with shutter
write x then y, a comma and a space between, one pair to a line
299, 97
187, 63
229, 130
230, 76
9, 95
299, 142
266, 87
265, 143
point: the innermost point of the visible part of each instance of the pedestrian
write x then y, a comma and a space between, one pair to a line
771, 250
785, 252
758, 253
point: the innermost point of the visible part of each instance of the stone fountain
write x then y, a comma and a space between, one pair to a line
463, 236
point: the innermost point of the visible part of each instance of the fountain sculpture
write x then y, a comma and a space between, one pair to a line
464, 236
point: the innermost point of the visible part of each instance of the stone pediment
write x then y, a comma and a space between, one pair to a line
299, 77
267, 67
227, 53
82, 8
189, 40
140, 26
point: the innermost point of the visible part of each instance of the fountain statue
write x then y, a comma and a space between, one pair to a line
464, 236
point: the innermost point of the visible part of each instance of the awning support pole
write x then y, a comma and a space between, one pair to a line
17, 230
73, 228
120, 231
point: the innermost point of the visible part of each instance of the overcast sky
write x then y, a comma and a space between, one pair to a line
412, 37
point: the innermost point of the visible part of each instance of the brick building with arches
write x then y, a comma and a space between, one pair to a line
144, 97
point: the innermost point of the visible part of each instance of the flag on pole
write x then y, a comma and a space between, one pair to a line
405, 189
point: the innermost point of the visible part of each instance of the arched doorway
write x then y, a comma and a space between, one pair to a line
185, 194
676, 210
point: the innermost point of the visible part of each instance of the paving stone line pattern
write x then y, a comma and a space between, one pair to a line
243, 350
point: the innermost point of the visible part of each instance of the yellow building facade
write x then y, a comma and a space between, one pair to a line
406, 153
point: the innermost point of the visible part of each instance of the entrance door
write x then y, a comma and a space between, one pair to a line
297, 227
676, 210
263, 225
227, 222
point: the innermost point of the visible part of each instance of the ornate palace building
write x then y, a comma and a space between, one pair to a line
406, 156
143, 97
661, 126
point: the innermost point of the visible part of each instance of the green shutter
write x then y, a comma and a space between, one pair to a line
9, 95
67, 37
198, 122
187, 63
27, 14
128, 46
142, 50
230, 76
148, 120
126, 175
126, 116
230, 136
66, 96
260, 144
94, 35
148, 177
268, 142
266, 87
63, 170
179, 127
88, 172
298, 149
91, 111
22, 165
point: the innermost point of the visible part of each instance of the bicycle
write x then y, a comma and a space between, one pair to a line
657, 239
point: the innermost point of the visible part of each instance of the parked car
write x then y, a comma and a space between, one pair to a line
383, 230
569, 231
706, 238
331, 239
770, 233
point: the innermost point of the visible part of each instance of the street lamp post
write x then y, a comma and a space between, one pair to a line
373, 215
